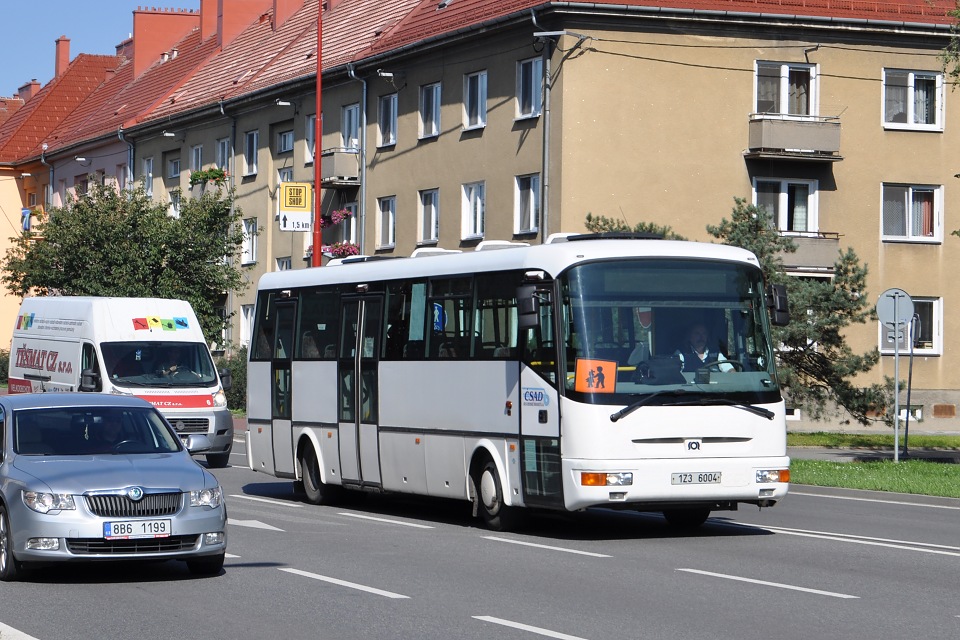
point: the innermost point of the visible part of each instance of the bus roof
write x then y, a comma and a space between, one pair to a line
553, 258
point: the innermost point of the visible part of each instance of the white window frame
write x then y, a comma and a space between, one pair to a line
223, 154
310, 135
173, 168
248, 249
251, 147
386, 222
284, 264
428, 217
913, 76
475, 100
285, 141
350, 126
473, 211
174, 208
196, 157
284, 174
346, 231
931, 345
529, 88
783, 89
147, 175
526, 199
387, 129
430, 110
246, 324
781, 216
910, 191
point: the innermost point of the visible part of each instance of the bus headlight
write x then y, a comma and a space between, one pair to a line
219, 399
765, 476
621, 479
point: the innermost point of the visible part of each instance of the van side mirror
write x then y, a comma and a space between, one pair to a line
89, 380
777, 305
528, 307
226, 379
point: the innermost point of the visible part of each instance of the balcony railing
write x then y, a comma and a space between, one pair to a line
816, 252
794, 137
340, 168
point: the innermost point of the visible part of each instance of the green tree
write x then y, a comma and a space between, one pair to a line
601, 224
105, 243
817, 367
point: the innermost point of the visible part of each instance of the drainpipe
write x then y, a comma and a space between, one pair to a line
48, 201
131, 157
362, 209
545, 169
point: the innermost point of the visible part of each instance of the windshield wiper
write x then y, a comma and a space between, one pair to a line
760, 411
642, 401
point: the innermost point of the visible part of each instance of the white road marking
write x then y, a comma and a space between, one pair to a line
226, 555
253, 524
344, 583
9, 633
904, 545
527, 627
544, 546
857, 499
406, 524
279, 503
771, 584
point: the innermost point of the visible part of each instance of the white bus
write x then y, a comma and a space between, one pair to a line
532, 376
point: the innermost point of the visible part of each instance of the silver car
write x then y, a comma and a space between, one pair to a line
91, 477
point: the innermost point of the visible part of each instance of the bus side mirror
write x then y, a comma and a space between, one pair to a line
89, 380
226, 379
777, 305
528, 307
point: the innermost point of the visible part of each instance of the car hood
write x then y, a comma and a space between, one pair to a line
81, 474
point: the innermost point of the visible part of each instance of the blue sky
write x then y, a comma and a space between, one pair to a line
27, 47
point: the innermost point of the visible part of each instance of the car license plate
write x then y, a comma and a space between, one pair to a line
697, 477
136, 529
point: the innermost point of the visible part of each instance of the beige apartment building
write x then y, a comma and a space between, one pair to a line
450, 124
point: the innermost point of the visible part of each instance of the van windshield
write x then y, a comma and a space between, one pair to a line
158, 364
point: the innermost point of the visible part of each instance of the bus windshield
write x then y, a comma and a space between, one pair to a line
693, 328
158, 364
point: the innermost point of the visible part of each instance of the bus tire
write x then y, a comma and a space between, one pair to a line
686, 518
489, 496
314, 489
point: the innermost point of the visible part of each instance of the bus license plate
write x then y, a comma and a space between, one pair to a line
701, 477
136, 529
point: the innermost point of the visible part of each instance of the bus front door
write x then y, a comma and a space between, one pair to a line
358, 393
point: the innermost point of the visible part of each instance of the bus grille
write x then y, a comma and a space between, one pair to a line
136, 545
152, 505
189, 425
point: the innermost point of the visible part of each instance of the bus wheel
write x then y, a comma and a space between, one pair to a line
313, 487
686, 518
496, 515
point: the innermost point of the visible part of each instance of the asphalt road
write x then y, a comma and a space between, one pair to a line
824, 563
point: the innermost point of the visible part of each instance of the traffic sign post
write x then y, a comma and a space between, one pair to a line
895, 311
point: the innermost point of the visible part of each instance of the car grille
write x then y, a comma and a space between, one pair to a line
118, 506
136, 545
190, 425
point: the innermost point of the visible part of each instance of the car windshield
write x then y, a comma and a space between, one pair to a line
69, 431
639, 327
158, 364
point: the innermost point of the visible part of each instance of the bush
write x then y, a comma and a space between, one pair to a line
4, 366
237, 364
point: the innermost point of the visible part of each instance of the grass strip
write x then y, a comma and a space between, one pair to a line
869, 441
907, 476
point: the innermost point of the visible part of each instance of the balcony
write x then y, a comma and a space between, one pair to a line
816, 252
775, 136
340, 168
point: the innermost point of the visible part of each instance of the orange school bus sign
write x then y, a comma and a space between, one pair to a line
595, 376
296, 211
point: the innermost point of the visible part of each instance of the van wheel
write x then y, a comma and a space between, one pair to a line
218, 460
10, 568
489, 496
313, 486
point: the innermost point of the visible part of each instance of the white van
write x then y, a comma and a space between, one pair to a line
147, 347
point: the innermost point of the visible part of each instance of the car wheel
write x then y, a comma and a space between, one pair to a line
489, 496
209, 566
218, 460
10, 568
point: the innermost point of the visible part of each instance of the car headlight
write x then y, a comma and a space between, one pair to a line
219, 399
47, 502
206, 498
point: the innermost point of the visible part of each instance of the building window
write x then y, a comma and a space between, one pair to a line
428, 222
386, 222
430, 110
786, 89
310, 135
147, 175
173, 168
248, 250
526, 208
474, 203
350, 127
223, 154
285, 141
246, 324
284, 264
912, 99
388, 120
912, 213
529, 80
475, 100
283, 175
791, 203
346, 231
196, 157
175, 203
251, 145
926, 330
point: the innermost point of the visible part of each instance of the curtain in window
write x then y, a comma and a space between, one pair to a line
924, 100
768, 197
768, 89
922, 214
798, 197
799, 92
894, 210
895, 97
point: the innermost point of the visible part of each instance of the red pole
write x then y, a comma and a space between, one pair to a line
318, 145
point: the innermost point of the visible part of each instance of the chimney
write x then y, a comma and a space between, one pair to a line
236, 15
28, 90
283, 9
208, 18
63, 56
125, 49
156, 31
